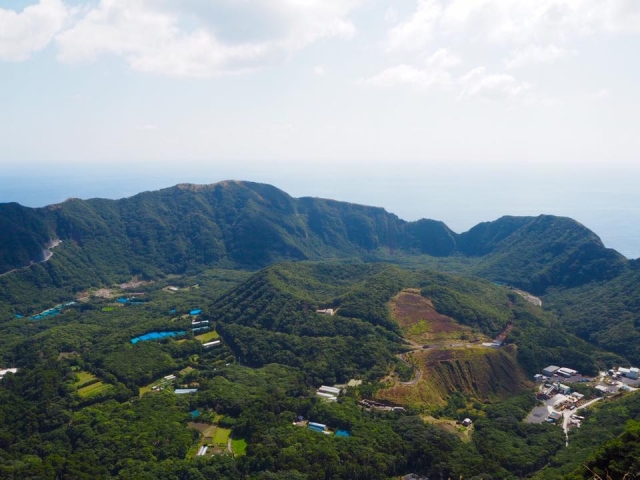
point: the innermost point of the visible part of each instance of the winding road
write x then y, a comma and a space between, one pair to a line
46, 253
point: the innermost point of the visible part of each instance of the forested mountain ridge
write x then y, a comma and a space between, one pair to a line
250, 225
88, 402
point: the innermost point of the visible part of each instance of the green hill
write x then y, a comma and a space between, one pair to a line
248, 225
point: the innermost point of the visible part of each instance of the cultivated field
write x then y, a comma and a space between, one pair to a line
208, 337
94, 389
84, 378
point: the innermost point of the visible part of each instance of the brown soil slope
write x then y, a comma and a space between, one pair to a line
421, 323
486, 374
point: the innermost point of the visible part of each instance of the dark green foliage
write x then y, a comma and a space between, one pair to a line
276, 348
472, 302
241, 224
606, 441
618, 458
607, 314
550, 251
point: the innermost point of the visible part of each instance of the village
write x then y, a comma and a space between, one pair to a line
560, 400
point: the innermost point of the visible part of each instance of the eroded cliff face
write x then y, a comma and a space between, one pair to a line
482, 373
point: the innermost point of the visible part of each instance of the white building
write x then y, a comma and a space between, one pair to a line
629, 372
332, 390
566, 372
7, 370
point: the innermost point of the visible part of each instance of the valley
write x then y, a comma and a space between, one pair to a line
197, 350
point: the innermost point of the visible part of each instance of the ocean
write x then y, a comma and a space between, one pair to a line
606, 202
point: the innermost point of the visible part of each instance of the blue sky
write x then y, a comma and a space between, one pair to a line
325, 97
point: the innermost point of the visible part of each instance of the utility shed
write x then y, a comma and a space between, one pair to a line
633, 373
550, 370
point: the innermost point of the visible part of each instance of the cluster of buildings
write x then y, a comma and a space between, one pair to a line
552, 370
631, 373
375, 405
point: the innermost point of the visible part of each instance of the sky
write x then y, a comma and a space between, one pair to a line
459, 110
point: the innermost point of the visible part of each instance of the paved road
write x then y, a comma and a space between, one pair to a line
567, 416
47, 254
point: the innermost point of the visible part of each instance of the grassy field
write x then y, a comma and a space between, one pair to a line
208, 337
108, 309
464, 433
94, 389
221, 437
239, 446
84, 377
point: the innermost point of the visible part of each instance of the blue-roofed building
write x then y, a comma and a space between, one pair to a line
195, 312
182, 391
343, 433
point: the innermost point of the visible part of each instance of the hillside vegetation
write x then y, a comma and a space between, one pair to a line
249, 225
299, 293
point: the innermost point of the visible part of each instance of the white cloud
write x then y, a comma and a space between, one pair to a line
391, 15
319, 70
408, 75
600, 94
27, 32
152, 36
149, 127
479, 83
434, 73
520, 21
534, 54
443, 59
417, 31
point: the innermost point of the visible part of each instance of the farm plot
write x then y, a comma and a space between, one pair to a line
94, 389
208, 337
